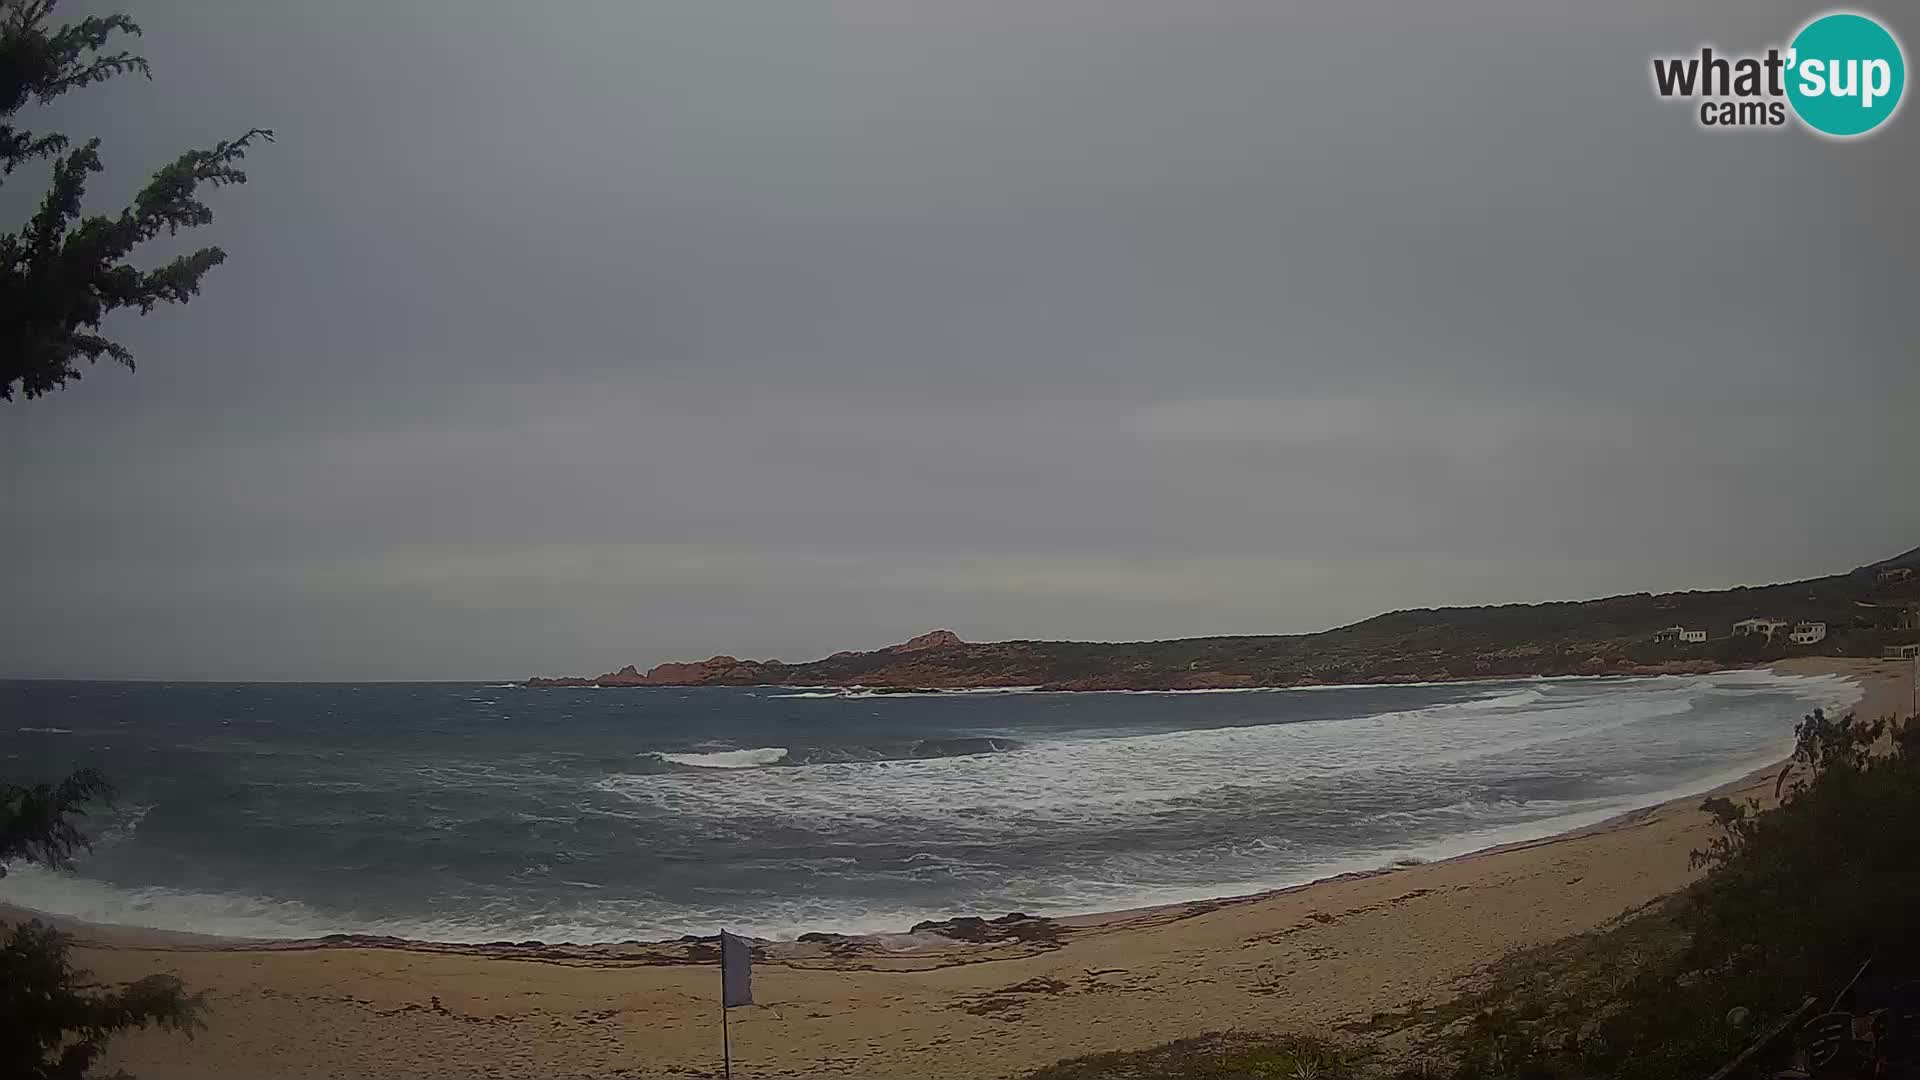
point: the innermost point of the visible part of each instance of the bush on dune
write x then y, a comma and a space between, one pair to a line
1813, 897
1216, 1056
1797, 900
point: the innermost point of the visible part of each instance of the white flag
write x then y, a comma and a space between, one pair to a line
736, 971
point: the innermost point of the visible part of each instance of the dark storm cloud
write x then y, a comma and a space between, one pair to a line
566, 336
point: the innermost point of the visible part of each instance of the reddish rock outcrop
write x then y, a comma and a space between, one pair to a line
713, 671
932, 639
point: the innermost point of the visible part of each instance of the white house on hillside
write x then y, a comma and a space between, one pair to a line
1693, 637
1764, 627
1671, 633
1806, 633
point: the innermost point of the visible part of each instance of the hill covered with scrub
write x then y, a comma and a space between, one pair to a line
1864, 610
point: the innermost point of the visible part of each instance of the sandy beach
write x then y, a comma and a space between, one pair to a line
1033, 991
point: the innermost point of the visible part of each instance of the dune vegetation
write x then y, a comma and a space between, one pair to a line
1806, 908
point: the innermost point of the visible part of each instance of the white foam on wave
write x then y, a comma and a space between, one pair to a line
861, 692
1108, 895
955, 691
1834, 693
728, 759
1324, 686
1125, 783
1516, 700
125, 826
1114, 781
593, 916
44, 731
159, 908
1199, 690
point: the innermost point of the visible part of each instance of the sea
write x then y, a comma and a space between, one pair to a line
465, 812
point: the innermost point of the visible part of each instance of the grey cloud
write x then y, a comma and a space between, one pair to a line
561, 337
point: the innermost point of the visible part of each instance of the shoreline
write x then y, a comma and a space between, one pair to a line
939, 934
1101, 685
1022, 994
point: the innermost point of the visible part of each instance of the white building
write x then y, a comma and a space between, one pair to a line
1671, 633
1806, 633
1693, 637
1764, 627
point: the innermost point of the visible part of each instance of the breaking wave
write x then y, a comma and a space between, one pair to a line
866, 692
727, 759
644, 817
775, 756
913, 751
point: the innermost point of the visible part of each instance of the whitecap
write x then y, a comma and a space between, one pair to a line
729, 759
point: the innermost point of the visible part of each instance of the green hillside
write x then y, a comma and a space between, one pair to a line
1865, 611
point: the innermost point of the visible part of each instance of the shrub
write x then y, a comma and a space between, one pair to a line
1796, 899
54, 1020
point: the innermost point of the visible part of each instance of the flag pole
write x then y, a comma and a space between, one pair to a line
736, 988
726, 1038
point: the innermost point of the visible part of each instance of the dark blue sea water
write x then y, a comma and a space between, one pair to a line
473, 813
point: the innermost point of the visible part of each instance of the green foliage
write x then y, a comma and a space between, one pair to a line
1798, 897
1795, 900
54, 1020
1589, 637
61, 273
1218, 1056
35, 822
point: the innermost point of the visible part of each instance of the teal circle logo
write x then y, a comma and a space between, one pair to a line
1845, 74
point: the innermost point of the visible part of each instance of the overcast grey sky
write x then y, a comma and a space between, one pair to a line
561, 336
